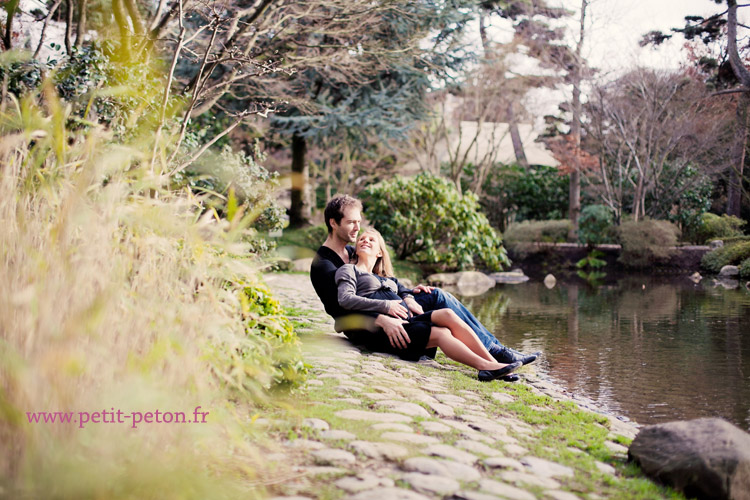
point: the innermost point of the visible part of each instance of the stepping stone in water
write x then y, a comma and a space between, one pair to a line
431, 484
379, 451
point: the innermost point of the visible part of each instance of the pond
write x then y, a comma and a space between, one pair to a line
654, 349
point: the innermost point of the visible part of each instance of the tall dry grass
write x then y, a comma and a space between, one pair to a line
115, 294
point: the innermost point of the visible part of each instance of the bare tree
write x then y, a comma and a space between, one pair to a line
648, 128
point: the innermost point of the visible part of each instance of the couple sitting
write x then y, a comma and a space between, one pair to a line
371, 308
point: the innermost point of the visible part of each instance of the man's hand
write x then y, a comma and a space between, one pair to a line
422, 288
396, 309
394, 328
414, 306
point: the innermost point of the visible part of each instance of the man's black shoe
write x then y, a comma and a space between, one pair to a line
507, 355
513, 377
487, 375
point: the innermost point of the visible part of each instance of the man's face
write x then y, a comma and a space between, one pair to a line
348, 229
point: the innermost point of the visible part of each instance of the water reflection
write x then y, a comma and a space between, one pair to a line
654, 349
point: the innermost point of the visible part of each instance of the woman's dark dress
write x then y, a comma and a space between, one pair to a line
351, 281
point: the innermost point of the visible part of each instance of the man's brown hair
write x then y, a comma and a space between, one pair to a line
335, 208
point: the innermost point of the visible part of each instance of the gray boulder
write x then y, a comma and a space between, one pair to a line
510, 278
707, 458
466, 283
729, 271
714, 244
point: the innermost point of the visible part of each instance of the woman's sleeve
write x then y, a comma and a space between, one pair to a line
346, 281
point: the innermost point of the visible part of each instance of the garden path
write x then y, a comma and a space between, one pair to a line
371, 426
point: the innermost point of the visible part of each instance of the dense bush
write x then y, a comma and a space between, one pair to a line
426, 219
745, 269
727, 255
520, 238
714, 227
647, 242
595, 225
515, 193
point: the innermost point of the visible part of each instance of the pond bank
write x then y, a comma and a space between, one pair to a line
373, 426
539, 258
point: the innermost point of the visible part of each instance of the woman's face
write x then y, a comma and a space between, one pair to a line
368, 244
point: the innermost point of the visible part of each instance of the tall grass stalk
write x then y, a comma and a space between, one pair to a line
116, 294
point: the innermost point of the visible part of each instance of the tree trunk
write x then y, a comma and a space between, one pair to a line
299, 212
574, 189
69, 26
515, 137
10, 9
81, 26
736, 169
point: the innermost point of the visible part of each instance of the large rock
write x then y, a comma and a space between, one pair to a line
707, 458
467, 283
729, 271
510, 278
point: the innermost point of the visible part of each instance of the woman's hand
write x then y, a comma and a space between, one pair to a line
394, 329
414, 306
422, 288
396, 309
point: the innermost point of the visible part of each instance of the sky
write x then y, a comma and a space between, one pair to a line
616, 26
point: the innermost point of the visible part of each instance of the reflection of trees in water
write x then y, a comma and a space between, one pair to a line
659, 352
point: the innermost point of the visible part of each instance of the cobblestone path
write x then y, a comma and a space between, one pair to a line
373, 427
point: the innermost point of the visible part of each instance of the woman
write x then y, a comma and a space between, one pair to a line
367, 286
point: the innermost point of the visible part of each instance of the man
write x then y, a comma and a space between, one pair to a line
343, 218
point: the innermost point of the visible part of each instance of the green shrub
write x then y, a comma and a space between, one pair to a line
727, 255
647, 242
745, 269
512, 192
595, 225
714, 227
279, 348
521, 237
426, 219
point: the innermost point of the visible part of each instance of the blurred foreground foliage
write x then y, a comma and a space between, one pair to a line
128, 288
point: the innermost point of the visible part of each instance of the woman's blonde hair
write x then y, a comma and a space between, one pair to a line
383, 266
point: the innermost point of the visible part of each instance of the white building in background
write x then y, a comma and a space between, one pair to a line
479, 143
